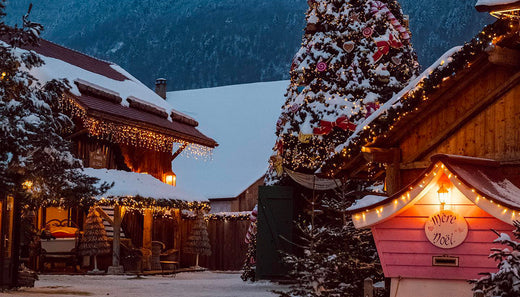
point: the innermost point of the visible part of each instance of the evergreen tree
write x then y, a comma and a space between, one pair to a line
36, 163
355, 55
506, 281
94, 240
334, 257
198, 241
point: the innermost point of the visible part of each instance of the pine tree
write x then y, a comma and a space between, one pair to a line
506, 281
355, 55
334, 257
94, 240
198, 241
36, 163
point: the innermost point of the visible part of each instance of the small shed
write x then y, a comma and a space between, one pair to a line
435, 245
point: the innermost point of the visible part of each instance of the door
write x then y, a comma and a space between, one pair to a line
275, 229
6, 237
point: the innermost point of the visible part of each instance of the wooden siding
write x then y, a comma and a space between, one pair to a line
405, 251
142, 160
491, 133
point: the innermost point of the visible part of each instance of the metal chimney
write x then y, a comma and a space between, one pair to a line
160, 87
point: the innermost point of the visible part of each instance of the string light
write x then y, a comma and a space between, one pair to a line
133, 135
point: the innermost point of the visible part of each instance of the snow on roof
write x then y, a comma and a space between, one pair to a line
242, 120
139, 184
395, 101
58, 68
366, 201
494, 2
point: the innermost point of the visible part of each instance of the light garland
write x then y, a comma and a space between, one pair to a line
228, 216
501, 212
133, 135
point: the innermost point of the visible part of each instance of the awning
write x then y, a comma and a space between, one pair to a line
479, 180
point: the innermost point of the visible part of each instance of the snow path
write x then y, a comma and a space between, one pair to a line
190, 284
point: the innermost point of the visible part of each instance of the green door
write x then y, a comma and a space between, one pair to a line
275, 229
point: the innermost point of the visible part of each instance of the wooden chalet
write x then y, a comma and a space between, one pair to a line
127, 134
447, 147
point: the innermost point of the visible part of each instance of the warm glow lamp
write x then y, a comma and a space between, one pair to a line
170, 178
443, 194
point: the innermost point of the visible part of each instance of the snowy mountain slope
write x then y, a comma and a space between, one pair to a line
204, 43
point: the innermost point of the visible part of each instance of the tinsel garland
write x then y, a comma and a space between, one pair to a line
411, 100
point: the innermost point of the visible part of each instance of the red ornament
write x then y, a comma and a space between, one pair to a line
342, 123
322, 66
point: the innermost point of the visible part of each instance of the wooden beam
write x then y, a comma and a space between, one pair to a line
487, 100
103, 214
381, 155
415, 165
147, 229
504, 56
179, 151
77, 133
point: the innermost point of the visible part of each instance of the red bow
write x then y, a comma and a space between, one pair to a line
383, 47
326, 126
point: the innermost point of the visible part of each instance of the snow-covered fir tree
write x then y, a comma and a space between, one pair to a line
506, 281
355, 55
332, 257
36, 163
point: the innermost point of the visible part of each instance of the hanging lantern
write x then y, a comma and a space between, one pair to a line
444, 195
170, 178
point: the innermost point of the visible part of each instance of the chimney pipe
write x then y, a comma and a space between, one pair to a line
160, 87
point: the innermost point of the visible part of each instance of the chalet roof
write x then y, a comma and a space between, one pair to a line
497, 5
480, 180
383, 122
242, 117
132, 184
110, 94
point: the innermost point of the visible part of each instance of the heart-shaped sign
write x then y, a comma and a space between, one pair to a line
348, 46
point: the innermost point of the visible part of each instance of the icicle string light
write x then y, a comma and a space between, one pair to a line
132, 135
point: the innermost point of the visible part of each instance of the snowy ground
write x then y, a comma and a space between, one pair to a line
192, 284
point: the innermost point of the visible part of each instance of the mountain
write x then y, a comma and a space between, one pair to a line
207, 43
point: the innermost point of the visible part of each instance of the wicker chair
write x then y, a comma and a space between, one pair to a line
147, 259
157, 248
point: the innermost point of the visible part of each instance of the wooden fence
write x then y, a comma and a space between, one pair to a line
228, 249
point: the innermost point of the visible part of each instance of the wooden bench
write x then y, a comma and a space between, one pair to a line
165, 265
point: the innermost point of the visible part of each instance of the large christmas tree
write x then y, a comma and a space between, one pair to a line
36, 163
355, 55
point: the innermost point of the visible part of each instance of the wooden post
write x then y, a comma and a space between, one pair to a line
393, 172
368, 288
147, 229
177, 229
116, 243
